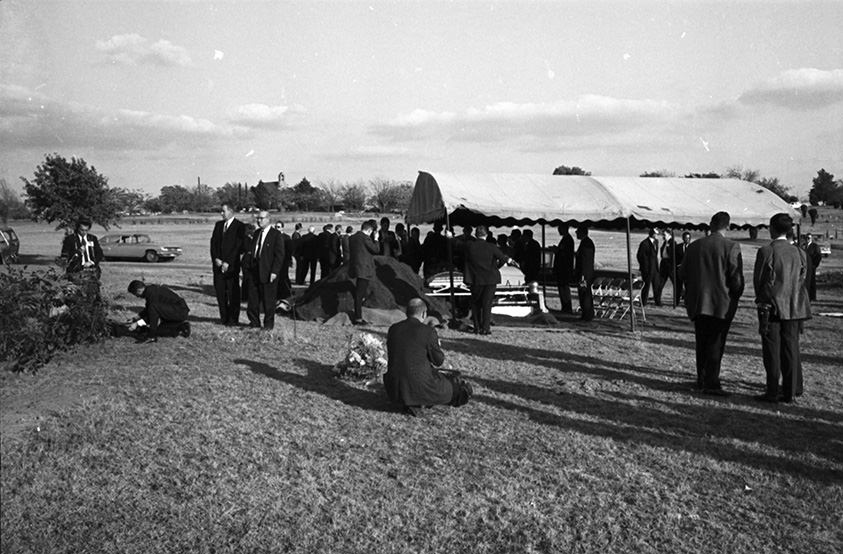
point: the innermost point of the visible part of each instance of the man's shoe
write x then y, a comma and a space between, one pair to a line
786, 399
715, 392
184, 329
767, 398
360, 322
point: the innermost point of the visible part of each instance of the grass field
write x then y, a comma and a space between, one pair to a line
580, 438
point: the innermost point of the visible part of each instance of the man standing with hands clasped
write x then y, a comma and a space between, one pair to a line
782, 301
227, 242
713, 275
267, 250
482, 260
361, 265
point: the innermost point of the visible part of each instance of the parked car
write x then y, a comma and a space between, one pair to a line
136, 247
9, 246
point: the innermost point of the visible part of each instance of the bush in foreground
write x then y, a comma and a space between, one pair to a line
43, 312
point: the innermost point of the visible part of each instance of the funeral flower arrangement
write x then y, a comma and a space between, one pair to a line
365, 358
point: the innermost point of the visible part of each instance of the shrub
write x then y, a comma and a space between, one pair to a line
44, 312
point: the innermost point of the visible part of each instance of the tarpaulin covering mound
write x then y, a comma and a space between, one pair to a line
393, 287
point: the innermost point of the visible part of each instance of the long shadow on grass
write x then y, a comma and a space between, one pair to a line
207, 290
321, 380
689, 431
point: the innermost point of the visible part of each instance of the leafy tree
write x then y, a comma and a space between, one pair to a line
565, 170
772, 184
154, 205
266, 195
11, 206
175, 198
304, 196
354, 196
709, 175
737, 172
204, 198
824, 189
235, 195
130, 201
63, 191
658, 173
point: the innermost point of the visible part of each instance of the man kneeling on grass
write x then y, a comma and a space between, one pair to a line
164, 314
413, 353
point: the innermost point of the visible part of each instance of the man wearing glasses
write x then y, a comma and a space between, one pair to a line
267, 253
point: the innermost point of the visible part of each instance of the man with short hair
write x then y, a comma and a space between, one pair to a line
361, 266
584, 273
388, 242
267, 253
782, 301
532, 252
814, 257
668, 263
648, 265
81, 250
680, 257
328, 246
563, 268
227, 244
414, 353
712, 271
164, 314
482, 260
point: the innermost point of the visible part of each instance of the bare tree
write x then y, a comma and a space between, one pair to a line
333, 192
354, 196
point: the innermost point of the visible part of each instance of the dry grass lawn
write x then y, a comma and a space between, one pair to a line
580, 438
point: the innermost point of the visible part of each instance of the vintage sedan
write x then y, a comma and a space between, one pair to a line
136, 247
9, 246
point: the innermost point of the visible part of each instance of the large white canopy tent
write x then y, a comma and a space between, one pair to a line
601, 202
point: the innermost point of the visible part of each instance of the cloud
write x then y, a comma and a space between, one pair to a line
31, 119
133, 49
587, 115
262, 116
371, 152
798, 89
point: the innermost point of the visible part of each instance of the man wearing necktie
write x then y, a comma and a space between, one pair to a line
82, 249
648, 264
227, 244
267, 251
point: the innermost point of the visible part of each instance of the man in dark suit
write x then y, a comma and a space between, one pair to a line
668, 263
81, 250
285, 287
584, 273
301, 267
328, 245
412, 380
814, 257
648, 265
532, 257
309, 248
267, 252
227, 243
713, 274
782, 300
681, 248
482, 260
388, 241
563, 268
164, 314
361, 265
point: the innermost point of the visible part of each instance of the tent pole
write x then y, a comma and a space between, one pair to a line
450, 270
543, 273
629, 276
673, 263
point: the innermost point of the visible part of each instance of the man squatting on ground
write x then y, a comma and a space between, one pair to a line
164, 314
412, 380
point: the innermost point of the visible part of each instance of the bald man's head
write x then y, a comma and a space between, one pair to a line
416, 308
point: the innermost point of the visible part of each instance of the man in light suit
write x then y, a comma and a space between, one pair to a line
648, 264
782, 300
227, 244
361, 265
712, 271
81, 250
267, 253
482, 260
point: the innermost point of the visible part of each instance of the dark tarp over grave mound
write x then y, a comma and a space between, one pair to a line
395, 284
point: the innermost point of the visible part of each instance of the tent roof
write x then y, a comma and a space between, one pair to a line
519, 199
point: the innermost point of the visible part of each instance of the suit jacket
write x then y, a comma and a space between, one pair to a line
389, 244
361, 250
162, 303
563, 262
814, 254
648, 257
288, 250
681, 248
271, 256
411, 380
532, 259
71, 250
779, 279
329, 248
228, 245
585, 261
482, 260
668, 255
713, 275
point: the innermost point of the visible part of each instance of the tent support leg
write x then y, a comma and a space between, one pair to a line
451, 272
543, 273
629, 276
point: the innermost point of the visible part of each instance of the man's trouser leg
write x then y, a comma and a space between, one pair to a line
789, 345
476, 307
565, 296
268, 292
710, 335
253, 306
222, 295
360, 288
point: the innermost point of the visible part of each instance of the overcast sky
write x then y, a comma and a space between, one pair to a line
158, 93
